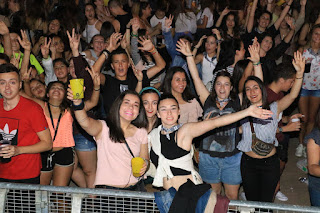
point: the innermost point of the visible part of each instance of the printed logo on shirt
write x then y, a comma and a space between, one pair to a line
9, 130
123, 87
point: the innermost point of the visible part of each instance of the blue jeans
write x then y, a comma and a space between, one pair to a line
314, 190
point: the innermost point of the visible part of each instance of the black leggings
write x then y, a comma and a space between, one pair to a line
260, 177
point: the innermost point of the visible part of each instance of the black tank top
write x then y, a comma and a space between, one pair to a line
171, 151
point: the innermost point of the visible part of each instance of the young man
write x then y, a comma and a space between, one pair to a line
283, 79
23, 124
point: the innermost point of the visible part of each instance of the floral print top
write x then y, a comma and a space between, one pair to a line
311, 80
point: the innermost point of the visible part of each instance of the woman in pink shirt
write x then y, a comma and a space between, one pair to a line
119, 139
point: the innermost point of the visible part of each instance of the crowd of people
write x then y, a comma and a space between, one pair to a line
201, 90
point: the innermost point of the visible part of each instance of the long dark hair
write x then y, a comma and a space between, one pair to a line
152, 91
236, 28
246, 102
238, 71
166, 85
116, 133
233, 94
65, 102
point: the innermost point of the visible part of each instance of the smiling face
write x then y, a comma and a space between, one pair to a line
129, 108
120, 65
223, 87
264, 21
178, 83
98, 44
150, 103
58, 43
230, 21
168, 112
14, 42
316, 35
60, 70
211, 44
54, 26
253, 92
9, 85
266, 43
57, 91
38, 90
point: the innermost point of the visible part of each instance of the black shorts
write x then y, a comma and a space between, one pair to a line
282, 149
63, 157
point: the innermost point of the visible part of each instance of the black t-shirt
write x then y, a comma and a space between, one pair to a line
221, 142
248, 37
114, 87
123, 20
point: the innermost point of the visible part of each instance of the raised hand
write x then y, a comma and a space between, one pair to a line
24, 42
26, 75
299, 63
146, 43
257, 112
124, 43
74, 40
113, 44
200, 41
254, 50
135, 23
289, 21
3, 28
95, 77
15, 60
168, 21
225, 11
303, 2
45, 48
70, 96
217, 33
183, 47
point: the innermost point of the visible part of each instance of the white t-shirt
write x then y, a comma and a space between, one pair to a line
209, 14
186, 23
154, 21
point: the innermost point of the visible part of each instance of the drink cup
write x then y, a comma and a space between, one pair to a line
77, 88
280, 2
106, 2
4, 143
136, 164
295, 120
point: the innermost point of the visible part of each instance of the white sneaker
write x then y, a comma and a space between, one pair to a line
243, 196
299, 150
282, 197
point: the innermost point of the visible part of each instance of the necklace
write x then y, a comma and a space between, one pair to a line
53, 105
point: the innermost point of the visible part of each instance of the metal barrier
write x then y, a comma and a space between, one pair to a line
43, 199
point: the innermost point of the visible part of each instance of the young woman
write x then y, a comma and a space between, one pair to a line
93, 26
205, 17
119, 140
219, 161
228, 22
92, 54
177, 83
313, 148
310, 93
260, 168
150, 98
171, 142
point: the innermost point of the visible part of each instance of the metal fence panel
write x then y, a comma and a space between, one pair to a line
43, 199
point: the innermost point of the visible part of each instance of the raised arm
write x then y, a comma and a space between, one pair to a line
94, 99
292, 31
26, 45
195, 49
283, 14
148, 46
299, 64
4, 31
222, 15
201, 89
192, 130
91, 126
134, 41
251, 16
168, 40
254, 50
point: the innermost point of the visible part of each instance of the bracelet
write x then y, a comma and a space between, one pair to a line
299, 78
256, 64
96, 89
189, 55
153, 49
134, 35
106, 53
154, 52
78, 107
139, 81
195, 47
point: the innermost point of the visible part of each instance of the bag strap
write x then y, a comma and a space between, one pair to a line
251, 125
129, 148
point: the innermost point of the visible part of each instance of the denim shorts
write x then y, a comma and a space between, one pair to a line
220, 170
83, 144
313, 93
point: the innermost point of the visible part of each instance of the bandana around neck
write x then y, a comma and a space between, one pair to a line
221, 102
167, 131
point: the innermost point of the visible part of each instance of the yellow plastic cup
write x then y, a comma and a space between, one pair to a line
77, 88
137, 164
106, 2
281, 2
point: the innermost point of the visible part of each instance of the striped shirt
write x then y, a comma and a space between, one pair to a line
265, 130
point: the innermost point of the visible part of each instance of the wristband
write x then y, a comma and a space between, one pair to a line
189, 55
256, 64
96, 89
280, 129
300, 78
153, 49
78, 107
106, 53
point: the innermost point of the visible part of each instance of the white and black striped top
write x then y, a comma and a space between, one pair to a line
264, 129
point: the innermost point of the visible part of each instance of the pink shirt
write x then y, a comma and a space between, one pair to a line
114, 159
190, 112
